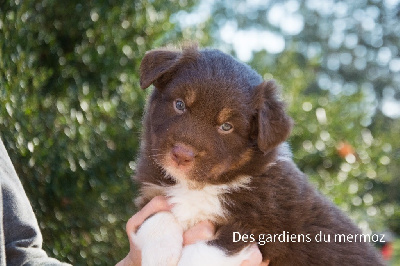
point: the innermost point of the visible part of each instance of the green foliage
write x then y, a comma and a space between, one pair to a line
396, 253
71, 111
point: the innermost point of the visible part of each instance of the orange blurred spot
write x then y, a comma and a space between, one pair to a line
345, 149
387, 251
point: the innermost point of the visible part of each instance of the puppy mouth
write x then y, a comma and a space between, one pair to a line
184, 163
171, 162
182, 156
179, 161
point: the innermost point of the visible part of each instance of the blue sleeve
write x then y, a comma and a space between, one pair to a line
20, 237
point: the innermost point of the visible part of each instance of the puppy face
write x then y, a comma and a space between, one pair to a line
198, 133
209, 116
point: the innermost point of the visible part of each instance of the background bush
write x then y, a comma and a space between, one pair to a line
71, 107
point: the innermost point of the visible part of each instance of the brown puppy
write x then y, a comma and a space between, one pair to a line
213, 142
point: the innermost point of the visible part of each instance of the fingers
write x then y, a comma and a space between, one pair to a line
157, 204
204, 230
255, 258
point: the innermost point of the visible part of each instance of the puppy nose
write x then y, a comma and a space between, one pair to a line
182, 155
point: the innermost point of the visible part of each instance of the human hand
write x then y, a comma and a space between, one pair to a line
202, 231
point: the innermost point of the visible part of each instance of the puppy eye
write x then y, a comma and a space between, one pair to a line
226, 127
179, 106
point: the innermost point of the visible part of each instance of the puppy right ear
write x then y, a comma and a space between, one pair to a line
155, 64
273, 125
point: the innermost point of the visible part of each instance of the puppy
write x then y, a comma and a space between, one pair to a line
214, 144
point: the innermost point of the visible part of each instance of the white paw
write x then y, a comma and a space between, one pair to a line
201, 254
160, 240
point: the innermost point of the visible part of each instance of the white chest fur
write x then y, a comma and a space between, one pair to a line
194, 205
163, 231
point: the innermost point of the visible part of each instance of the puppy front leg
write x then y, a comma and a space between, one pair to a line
160, 240
221, 251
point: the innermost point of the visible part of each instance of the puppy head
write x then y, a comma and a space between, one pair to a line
210, 117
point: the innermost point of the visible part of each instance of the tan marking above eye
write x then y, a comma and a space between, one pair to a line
190, 96
224, 115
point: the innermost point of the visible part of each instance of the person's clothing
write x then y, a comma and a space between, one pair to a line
20, 237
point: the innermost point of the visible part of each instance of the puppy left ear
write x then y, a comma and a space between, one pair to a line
273, 125
156, 63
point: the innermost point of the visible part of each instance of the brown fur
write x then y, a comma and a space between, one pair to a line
217, 89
